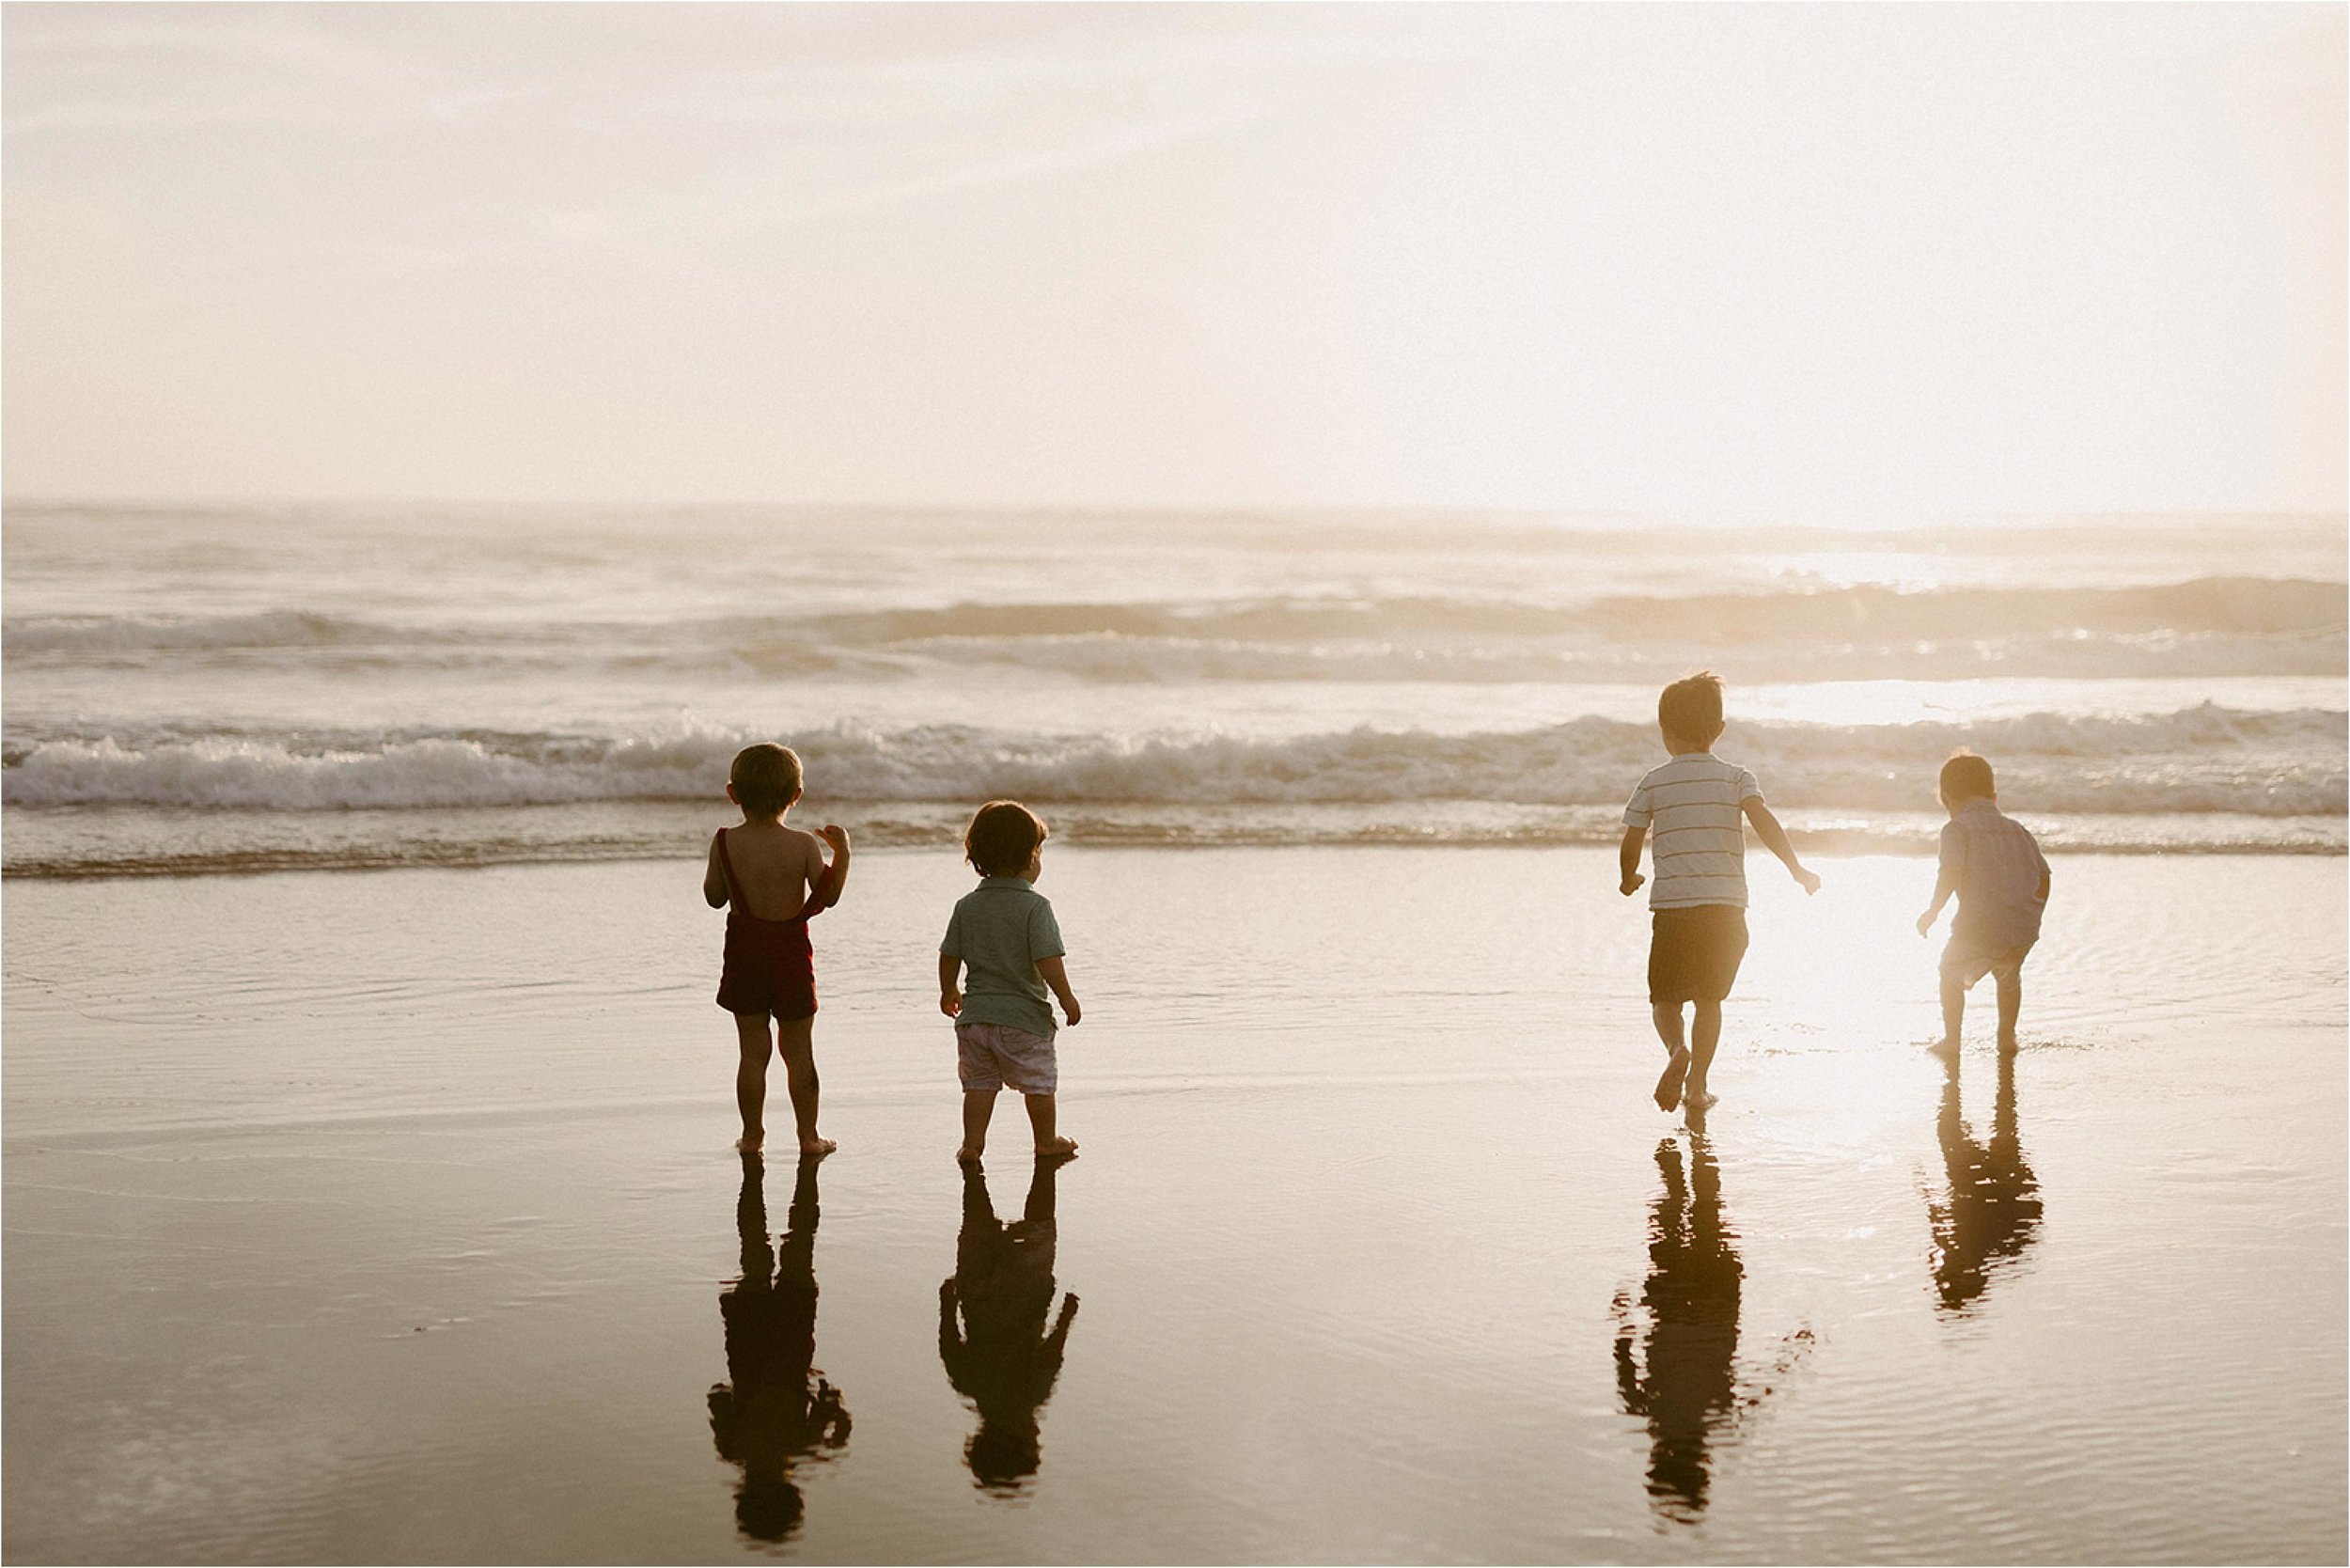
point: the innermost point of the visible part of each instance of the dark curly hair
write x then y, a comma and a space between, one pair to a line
1002, 834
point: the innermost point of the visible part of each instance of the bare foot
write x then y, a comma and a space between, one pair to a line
2007, 1044
968, 1156
1946, 1046
750, 1143
816, 1146
1696, 1101
1669, 1086
1057, 1149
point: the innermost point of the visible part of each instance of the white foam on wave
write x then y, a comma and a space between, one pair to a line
2206, 758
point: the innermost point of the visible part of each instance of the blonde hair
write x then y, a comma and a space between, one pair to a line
1691, 709
767, 778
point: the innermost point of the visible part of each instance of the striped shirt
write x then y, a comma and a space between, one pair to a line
1691, 807
1995, 864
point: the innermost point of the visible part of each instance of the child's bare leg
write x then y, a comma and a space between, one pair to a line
1040, 1118
979, 1108
1705, 1033
1668, 1016
2011, 1004
795, 1043
751, 1078
1954, 1010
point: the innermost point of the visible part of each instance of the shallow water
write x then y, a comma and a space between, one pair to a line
379, 1216
326, 687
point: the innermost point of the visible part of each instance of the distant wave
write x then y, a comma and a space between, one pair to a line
162, 634
2204, 760
2210, 626
2220, 604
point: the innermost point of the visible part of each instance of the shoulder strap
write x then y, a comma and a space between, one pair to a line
822, 891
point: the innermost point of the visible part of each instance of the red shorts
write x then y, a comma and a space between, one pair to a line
770, 968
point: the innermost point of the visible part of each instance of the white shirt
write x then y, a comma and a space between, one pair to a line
1996, 865
1698, 843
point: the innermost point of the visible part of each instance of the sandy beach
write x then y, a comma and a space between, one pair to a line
388, 1215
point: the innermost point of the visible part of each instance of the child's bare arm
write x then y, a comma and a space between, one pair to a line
714, 878
1944, 883
824, 883
1056, 975
1774, 840
949, 999
1630, 860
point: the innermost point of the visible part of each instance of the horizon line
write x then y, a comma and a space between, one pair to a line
1841, 521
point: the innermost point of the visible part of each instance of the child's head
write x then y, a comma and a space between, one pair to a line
765, 779
1003, 838
1690, 712
1965, 776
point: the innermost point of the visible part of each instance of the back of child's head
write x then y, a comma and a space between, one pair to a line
1002, 836
1967, 777
767, 778
1691, 709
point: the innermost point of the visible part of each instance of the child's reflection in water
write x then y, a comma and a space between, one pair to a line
1685, 1384
768, 1415
1002, 1358
1991, 1209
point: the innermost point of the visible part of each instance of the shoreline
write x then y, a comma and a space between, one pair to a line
131, 841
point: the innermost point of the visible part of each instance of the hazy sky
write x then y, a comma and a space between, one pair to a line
1846, 260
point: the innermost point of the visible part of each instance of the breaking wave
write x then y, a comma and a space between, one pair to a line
2201, 760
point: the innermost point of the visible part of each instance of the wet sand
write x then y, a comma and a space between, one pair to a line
390, 1216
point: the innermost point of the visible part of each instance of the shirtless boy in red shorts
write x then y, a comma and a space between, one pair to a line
772, 880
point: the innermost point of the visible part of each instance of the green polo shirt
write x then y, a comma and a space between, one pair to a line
999, 930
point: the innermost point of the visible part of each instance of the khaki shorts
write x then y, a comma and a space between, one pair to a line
1693, 953
996, 1055
1967, 958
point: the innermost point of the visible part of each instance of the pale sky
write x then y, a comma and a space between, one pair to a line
1848, 261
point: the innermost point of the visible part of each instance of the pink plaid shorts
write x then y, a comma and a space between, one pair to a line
996, 1055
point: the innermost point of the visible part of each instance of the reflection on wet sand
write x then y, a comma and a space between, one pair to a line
1685, 1384
1686, 1381
1001, 1356
1990, 1211
767, 1416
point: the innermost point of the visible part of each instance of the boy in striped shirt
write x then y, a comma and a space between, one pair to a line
1698, 902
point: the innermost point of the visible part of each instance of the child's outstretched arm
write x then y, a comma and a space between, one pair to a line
1629, 861
714, 878
1774, 840
1056, 975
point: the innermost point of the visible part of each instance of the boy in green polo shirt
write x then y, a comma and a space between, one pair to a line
1003, 931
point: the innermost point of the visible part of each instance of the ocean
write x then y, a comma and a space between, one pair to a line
192, 690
